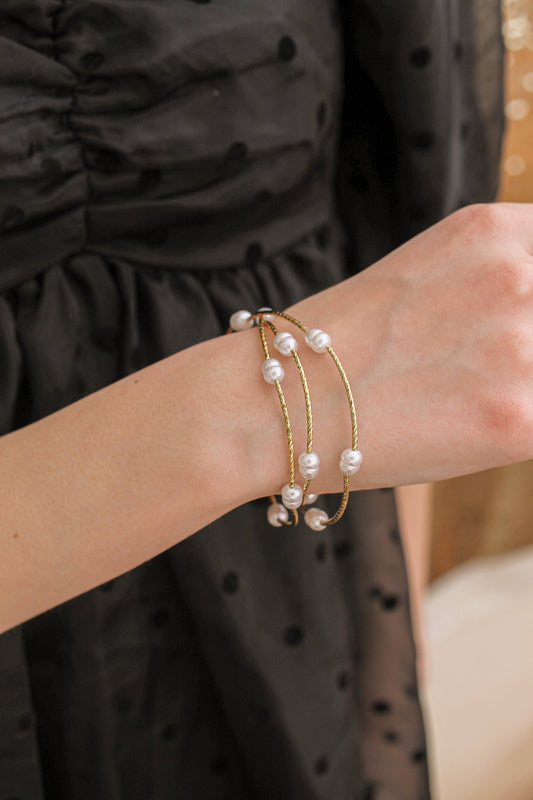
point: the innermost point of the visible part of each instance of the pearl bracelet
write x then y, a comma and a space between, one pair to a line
293, 495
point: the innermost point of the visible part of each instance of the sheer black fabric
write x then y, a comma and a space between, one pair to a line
163, 163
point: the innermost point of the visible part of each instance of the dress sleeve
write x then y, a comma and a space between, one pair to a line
422, 120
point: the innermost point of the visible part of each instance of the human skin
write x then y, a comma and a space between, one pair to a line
437, 339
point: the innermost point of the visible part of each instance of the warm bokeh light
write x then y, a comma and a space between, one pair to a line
517, 161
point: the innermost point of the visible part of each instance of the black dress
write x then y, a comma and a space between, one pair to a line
162, 164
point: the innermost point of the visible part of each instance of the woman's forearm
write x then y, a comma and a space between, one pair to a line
106, 483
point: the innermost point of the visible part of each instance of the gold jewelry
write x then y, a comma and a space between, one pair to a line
293, 495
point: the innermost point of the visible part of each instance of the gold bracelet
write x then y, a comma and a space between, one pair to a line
292, 494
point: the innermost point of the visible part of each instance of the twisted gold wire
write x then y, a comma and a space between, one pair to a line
353, 416
308, 407
349, 394
292, 471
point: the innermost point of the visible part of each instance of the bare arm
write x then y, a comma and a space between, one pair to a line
437, 339
108, 482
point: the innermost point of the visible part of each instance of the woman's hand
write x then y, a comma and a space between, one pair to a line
437, 339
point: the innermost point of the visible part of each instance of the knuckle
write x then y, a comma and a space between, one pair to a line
506, 416
485, 220
515, 277
508, 279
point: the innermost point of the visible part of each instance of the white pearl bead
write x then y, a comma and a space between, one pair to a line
311, 498
272, 370
285, 343
292, 496
308, 464
241, 320
315, 518
350, 461
317, 340
267, 317
277, 515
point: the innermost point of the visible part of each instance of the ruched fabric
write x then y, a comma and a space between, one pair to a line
162, 164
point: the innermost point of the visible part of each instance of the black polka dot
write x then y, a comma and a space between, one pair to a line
293, 635
342, 549
160, 617
411, 692
323, 236
104, 160
13, 215
62, 659
91, 61
50, 166
420, 57
381, 707
321, 551
286, 48
391, 736
394, 534
374, 592
157, 236
321, 765
230, 583
219, 765
465, 128
423, 140
105, 339
237, 151
254, 253
62, 91
369, 791
169, 732
220, 75
418, 756
149, 178
321, 114
343, 680
25, 722
262, 197
458, 50
106, 587
389, 602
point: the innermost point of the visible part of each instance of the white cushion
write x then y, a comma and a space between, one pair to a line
479, 694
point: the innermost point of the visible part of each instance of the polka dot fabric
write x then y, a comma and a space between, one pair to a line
163, 163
